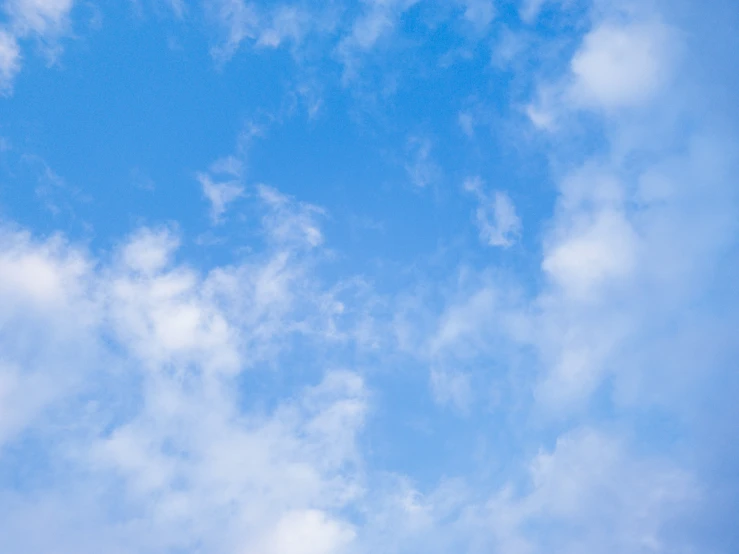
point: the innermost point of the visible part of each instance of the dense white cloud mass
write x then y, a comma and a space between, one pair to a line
623, 62
621, 65
194, 468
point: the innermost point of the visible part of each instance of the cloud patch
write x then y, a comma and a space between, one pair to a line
495, 216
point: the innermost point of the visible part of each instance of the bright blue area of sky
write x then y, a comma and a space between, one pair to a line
111, 114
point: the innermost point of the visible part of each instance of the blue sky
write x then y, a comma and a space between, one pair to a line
385, 276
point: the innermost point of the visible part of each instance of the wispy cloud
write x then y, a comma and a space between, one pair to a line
421, 167
10, 60
220, 194
265, 26
496, 217
46, 20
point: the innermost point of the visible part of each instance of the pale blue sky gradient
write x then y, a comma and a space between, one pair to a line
384, 276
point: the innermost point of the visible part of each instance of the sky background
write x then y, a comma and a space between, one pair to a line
384, 276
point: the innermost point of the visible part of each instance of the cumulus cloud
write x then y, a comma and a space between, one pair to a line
622, 233
593, 253
149, 251
307, 532
175, 445
172, 442
621, 65
608, 260
205, 473
47, 298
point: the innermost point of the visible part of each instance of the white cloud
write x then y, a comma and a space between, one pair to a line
467, 123
509, 49
421, 168
616, 253
203, 473
541, 114
289, 222
46, 20
135, 373
600, 249
220, 195
149, 251
621, 65
530, 9
495, 216
379, 19
287, 23
591, 484
168, 437
238, 20
266, 27
48, 305
462, 324
480, 13
591, 492
10, 57
222, 185
375, 24
617, 267
307, 532
231, 165
42, 275
452, 388
42, 17
165, 317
